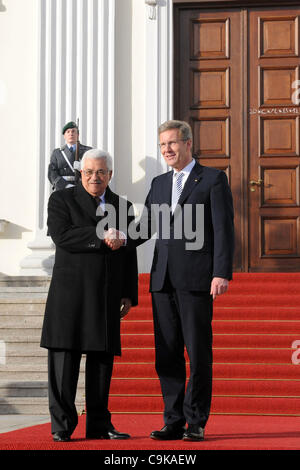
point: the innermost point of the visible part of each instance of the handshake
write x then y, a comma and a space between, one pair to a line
114, 239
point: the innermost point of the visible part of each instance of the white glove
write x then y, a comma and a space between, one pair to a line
77, 166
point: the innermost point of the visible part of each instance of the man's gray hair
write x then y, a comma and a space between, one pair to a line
183, 127
97, 153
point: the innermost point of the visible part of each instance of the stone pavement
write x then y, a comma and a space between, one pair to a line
13, 422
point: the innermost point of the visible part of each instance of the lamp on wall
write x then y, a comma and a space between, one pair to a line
2, 7
152, 8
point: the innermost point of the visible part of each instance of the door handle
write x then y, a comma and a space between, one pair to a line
255, 183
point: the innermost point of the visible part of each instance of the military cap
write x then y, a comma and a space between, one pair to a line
69, 125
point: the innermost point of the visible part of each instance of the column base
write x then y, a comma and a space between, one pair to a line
41, 261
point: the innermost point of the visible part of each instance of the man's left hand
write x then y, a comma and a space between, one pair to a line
125, 307
219, 286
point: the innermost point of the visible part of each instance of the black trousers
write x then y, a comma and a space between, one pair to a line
183, 318
63, 373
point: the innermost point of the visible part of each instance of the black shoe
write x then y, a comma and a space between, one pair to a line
61, 436
111, 434
168, 432
193, 433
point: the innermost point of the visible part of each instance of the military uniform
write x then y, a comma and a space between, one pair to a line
61, 171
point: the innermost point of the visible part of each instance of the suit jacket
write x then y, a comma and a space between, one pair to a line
89, 279
58, 167
193, 269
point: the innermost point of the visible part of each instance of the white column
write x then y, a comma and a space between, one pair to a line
159, 77
158, 88
76, 76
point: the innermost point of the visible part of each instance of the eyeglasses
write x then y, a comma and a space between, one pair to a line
172, 143
89, 173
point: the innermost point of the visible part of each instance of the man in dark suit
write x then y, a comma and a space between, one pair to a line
92, 287
186, 275
61, 169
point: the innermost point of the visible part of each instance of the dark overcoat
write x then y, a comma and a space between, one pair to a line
89, 279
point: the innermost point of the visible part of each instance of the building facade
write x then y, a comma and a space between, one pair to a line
230, 68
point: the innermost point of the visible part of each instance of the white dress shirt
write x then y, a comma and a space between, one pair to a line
102, 201
186, 173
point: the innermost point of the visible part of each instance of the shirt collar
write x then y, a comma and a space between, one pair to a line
102, 197
187, 169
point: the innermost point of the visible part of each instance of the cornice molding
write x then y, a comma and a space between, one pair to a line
233, 3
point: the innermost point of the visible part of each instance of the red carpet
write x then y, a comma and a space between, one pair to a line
255, 325
256, 385
222, 433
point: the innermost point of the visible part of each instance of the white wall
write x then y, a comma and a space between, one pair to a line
129, 174
130, 151
18, 129
19, 97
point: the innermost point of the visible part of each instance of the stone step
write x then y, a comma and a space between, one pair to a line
38, 359
22, 296
20, 375
9, 389
22, 290
31, 405
30, 308
19, 372
25, 281
28, 333
23, 363
22, 304
21, 310
15, 349
31, 367
21, 321
18, 337
12, 389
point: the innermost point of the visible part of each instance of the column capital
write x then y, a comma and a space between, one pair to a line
152, 8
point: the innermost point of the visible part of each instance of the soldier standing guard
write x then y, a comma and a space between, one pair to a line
62, 170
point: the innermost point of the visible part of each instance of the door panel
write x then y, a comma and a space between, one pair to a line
234, 76
274, 212
208, 75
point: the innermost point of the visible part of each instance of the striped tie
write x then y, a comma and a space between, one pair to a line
177, 188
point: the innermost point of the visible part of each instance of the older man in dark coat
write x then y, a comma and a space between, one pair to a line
92, 286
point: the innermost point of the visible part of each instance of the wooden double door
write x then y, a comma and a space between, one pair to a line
236, 73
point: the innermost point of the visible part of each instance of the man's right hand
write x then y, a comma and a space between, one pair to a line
114, 239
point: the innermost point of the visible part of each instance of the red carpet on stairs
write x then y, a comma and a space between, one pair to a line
255, 325
256, 382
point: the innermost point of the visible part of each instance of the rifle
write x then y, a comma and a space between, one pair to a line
77, 165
